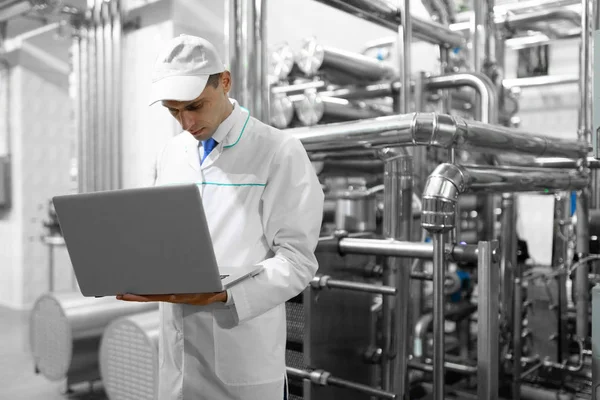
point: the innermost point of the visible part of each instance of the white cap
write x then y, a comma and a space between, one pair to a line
182, 69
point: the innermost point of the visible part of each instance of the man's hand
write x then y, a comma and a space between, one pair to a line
199, 299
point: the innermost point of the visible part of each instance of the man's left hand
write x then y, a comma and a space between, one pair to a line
198, 299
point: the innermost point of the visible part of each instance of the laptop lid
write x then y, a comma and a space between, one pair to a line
152, 240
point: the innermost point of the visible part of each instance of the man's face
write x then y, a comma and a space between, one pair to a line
202, 116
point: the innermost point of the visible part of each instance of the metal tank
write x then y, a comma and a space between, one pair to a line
65, 331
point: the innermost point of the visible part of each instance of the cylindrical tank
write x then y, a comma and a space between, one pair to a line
129, 357
65, 330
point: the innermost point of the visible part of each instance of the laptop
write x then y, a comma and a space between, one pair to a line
152, 240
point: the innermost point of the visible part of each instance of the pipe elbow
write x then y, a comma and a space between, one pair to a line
440, 197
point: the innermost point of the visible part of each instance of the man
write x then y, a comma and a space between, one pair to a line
264, 205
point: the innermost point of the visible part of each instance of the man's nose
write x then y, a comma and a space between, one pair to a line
187, 120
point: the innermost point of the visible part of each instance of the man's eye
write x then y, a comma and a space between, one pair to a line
194, 107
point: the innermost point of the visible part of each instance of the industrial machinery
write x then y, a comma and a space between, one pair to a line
424, 288
65, 332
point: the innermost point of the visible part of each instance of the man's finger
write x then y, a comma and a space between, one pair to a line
135, 297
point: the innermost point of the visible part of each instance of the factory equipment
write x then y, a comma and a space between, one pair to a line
129, 357
65, 332
423, 288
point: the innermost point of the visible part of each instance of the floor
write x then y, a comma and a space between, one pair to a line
18, 380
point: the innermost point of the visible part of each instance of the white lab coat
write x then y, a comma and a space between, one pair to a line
264, 205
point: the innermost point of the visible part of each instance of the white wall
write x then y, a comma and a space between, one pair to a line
41, 137
11, 274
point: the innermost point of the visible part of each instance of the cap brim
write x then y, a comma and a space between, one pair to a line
178, 88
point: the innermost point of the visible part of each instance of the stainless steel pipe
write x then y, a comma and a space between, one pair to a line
559, 162
312, 107
478, 81
508, 257
314, 57
488, 348
404, 45
430, 129
396, 273
322, 282
427, 366
388, 16
539, 81
324, 378
397, 248
248, 45
439, 272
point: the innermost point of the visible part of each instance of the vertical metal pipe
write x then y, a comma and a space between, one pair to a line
116, 98
397, 224
582, 295
404, 52
439, 277
248, 56
92, 85
260, 87
508, 265
100, 128
586, 68
508, 257
238, 51
78, 96
560, 248
487, 322
108, 156
517, 331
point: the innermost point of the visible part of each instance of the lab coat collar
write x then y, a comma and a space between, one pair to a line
227, 135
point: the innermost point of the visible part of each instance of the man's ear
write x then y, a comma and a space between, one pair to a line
226, 81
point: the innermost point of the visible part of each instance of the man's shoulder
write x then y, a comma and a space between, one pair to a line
271, 137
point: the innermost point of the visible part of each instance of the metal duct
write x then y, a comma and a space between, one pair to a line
313, 58
429, 129
388, 16
65, 331
129, 357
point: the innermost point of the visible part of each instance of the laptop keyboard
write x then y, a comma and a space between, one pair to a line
224, 276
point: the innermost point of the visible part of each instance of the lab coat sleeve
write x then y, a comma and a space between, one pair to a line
292, 212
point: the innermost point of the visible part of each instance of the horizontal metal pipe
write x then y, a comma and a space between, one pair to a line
521, 21
396, 248
537, 81
313, 107
314, 57
426, 366
388, 16
322, 282
518, 179
429, 129
324, 378
298, 88
559, 162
